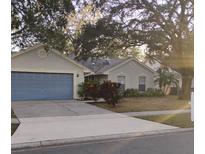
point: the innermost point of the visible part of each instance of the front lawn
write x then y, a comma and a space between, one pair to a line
138, 104
13, 114
182, 120
13, 128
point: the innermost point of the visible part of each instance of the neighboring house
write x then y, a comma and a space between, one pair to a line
129, 72
40, 75
173, 89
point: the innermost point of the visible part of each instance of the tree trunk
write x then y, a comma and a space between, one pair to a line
186, 87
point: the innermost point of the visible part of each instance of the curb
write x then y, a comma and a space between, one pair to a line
58, 142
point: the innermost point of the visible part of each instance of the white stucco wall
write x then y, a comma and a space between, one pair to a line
53, 63
132, 70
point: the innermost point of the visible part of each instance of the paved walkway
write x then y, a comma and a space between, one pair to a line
147, 113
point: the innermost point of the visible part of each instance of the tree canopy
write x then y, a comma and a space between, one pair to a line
44, 21
50, 22
165, 26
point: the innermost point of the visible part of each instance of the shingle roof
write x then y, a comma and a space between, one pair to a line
100, 65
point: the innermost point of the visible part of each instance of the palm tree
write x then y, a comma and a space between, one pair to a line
165, 79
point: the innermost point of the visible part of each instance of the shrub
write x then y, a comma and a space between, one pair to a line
81, 90
94, 90
131, 93
158, 92
150, 92
89, 89
110, 92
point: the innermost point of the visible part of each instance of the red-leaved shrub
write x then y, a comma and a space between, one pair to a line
110, 92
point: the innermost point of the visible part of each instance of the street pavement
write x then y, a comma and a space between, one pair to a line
168, 143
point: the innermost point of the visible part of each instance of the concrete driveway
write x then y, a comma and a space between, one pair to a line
54, 108
53, 122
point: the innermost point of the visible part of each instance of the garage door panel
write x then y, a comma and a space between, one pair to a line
41, 86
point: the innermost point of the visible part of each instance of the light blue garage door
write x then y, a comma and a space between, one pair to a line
41, 86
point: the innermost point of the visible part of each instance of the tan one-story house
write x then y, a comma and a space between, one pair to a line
130, 72
37, 74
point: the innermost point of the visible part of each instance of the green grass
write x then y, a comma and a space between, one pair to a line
13, 128
138, 104
182, 120
13, 114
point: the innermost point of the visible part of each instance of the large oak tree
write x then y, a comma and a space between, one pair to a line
40, 21
54, 23
165, 26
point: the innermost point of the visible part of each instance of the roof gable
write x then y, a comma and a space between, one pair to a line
128, 60
54, 51
99, 66
104, 66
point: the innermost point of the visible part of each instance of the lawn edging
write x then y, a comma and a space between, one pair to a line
163, 112
60, 142
143, 104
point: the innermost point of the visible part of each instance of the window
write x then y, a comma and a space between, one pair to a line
142, 82
121, 80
